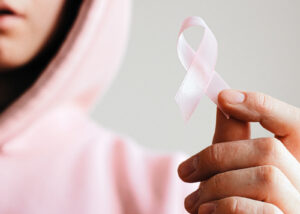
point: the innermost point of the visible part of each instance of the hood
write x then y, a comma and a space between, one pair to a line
82, 69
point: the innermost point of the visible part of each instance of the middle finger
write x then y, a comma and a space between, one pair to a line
227, 156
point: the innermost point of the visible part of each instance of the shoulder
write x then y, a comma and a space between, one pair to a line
147, 177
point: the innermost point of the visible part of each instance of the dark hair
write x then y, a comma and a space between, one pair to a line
66, 21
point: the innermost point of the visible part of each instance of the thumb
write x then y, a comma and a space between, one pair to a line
276, 116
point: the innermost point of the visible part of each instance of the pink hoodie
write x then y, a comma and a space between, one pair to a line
55, 159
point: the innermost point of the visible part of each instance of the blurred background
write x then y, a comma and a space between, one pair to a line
259, 43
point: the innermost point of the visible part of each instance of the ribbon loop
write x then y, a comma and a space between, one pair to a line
201, 77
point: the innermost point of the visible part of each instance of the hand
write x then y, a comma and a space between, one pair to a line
248, 176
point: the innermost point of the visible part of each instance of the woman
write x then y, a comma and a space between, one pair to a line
57, 57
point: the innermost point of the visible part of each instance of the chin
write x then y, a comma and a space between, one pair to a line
11, 53
7, 65
11, 59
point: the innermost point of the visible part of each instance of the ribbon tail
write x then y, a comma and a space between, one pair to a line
216, 85
189, 94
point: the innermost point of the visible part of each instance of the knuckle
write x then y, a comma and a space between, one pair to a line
269, 176
237, 205
263, 102
218, 183
270, 209
215, 156
269, 149
232, 205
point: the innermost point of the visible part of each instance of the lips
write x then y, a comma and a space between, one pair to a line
7, 10
10, 18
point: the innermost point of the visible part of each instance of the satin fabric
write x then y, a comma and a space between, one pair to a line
201, 77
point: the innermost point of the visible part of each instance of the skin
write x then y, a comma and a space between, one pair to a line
38, 21
27, 46
240, 175
237, 174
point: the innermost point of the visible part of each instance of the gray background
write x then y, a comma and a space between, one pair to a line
258, 51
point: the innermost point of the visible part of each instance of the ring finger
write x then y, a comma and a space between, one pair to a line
264, 183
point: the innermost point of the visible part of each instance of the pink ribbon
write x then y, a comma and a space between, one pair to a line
201, 77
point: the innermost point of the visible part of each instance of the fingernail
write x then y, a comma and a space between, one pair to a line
233, 96
208, 208
188, 167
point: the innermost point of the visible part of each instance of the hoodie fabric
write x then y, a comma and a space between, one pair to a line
55, 159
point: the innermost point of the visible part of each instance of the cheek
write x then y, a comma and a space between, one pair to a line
44, 16
43, 20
